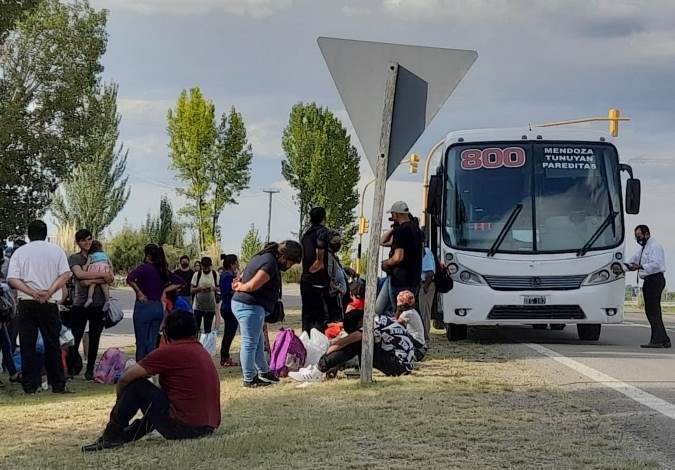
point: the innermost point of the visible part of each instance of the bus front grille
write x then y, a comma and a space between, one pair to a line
536, 312
513, 283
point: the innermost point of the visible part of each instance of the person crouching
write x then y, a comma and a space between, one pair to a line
408, 317
188, 404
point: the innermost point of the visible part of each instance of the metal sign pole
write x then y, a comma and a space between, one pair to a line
378, 209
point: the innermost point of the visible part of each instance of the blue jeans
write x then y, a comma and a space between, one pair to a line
251, 320
383, 302
7, 351
386, 299
147, 320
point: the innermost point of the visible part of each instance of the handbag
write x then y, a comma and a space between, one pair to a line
442, 279
277, 314
113, 313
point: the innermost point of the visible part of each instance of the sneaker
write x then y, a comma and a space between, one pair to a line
88, 303
102, 444
256, 382
308, 374
89, 376
269, 377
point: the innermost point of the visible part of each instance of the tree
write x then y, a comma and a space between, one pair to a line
126, 249
214, 162
250, 246
322, 166
49, 68
163, 229
96, 191
12, 11
230, 169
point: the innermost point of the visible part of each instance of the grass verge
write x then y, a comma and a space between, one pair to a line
469, 406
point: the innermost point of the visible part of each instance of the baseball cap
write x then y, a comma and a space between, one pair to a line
399, 207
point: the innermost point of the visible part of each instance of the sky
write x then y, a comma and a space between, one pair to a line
538, 62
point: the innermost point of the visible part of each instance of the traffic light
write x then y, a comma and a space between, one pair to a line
414, 161
613, 117
363, 225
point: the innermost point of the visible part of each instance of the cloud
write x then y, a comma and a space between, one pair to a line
250, 8
265, 137
141, 109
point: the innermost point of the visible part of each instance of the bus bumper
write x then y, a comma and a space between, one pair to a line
481, 305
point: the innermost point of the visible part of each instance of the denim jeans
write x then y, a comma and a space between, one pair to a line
251, 320
148, 317
7, 351
383, 304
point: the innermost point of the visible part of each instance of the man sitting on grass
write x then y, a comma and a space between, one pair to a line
393, 352
188, 404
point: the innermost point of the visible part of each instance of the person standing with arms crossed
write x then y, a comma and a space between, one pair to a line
650, 263
39, 271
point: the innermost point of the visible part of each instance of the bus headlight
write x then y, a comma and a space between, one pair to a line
609, 273
617, 269
465, 276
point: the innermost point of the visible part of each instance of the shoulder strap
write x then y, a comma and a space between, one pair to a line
199, 276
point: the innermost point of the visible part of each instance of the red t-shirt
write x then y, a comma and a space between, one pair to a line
189, 378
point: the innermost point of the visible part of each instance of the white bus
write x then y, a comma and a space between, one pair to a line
531, 227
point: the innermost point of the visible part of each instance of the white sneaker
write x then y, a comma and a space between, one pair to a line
308, 374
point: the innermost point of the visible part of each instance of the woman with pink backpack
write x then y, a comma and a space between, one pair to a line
258, 295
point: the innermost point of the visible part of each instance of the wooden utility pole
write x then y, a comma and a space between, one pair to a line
378, 210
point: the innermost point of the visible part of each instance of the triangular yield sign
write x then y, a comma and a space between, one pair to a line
427, 77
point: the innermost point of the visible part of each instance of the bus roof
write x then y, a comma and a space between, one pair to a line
524, 133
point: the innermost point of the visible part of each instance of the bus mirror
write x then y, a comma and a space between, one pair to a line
632, 196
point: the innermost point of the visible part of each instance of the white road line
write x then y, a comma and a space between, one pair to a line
647, 399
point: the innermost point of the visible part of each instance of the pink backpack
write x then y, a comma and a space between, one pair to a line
288, 353
110, 367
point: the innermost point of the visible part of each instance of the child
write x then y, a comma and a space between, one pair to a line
357, 293
98, 262
407, 316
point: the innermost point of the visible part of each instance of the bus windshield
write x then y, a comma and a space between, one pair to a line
566, 191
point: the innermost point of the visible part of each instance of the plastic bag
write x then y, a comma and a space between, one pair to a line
315, 344
66, 338
209, 341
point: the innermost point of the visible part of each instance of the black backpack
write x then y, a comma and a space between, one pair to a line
215, 281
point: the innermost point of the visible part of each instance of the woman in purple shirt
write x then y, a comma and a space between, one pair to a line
151, 281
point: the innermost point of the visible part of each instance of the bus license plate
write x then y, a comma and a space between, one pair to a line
534, 300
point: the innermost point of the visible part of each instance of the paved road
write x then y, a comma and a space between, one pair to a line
126, 298
614, 375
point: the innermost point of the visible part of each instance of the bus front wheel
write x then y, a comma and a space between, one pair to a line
589, 332
557, 326
455, 332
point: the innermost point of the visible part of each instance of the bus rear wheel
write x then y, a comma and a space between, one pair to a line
557, 326
589, 332
455, 332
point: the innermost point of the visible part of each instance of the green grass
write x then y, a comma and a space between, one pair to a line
469, 406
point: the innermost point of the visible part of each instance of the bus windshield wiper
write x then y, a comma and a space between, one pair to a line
610, 218
502, 234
